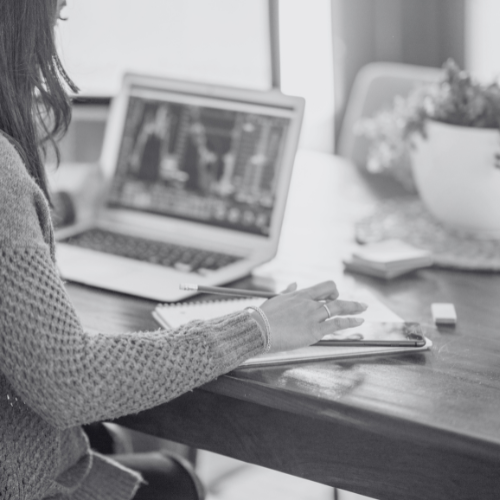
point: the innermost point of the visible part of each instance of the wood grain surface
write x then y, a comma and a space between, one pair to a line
419, 426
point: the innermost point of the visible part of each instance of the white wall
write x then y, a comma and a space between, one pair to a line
483, 39
307, 66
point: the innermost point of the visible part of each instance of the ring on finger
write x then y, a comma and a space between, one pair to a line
327, 311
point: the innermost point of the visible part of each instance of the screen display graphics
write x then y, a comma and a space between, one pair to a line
200, 162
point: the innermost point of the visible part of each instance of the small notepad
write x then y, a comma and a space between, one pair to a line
391, 253
387, 259
175, 315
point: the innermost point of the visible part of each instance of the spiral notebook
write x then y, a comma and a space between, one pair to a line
175, 315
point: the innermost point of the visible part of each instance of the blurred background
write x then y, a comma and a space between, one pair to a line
311, 48
316, 46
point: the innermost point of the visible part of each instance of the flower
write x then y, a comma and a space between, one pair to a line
457, 100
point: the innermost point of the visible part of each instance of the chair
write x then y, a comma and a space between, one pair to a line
375, 87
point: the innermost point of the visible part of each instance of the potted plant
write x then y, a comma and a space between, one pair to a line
444, 140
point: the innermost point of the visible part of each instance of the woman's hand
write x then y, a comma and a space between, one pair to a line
299, 318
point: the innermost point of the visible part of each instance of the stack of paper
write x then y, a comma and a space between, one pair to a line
387, 259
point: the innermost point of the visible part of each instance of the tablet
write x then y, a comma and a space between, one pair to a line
390, 334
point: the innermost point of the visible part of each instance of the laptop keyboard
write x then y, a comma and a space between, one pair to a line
181, 258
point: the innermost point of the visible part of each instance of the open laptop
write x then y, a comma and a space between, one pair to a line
196, 181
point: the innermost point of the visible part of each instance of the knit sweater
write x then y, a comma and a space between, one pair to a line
55, 376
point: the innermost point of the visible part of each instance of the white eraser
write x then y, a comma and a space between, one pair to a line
444, 314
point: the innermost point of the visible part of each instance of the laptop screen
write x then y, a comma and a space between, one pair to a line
202, 159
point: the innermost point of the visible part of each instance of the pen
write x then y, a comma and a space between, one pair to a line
227, 291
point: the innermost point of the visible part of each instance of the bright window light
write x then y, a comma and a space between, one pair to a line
216, 41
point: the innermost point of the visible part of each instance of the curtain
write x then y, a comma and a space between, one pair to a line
421, 32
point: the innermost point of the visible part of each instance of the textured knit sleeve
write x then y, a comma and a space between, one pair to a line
71, 377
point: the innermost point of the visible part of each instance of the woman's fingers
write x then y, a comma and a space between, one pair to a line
339, 323
292, 287
339, 315
298, 318
339, 308
322, 291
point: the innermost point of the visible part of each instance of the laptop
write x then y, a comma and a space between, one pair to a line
195, 184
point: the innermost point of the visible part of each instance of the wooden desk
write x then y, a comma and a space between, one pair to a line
421, 426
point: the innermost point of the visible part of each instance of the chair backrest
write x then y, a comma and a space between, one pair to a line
375, 87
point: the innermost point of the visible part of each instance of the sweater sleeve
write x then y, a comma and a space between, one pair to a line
71, 377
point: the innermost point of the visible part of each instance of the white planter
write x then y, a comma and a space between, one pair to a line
457, 174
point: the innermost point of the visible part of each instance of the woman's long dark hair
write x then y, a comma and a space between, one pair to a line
34, 105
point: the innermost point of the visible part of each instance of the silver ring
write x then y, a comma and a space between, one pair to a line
328, 311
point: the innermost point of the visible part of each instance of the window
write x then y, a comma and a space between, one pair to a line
218, 41
215, 41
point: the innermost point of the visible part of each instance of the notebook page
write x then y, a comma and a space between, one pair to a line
175, 315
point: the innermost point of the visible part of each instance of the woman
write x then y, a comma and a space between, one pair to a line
54, 376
